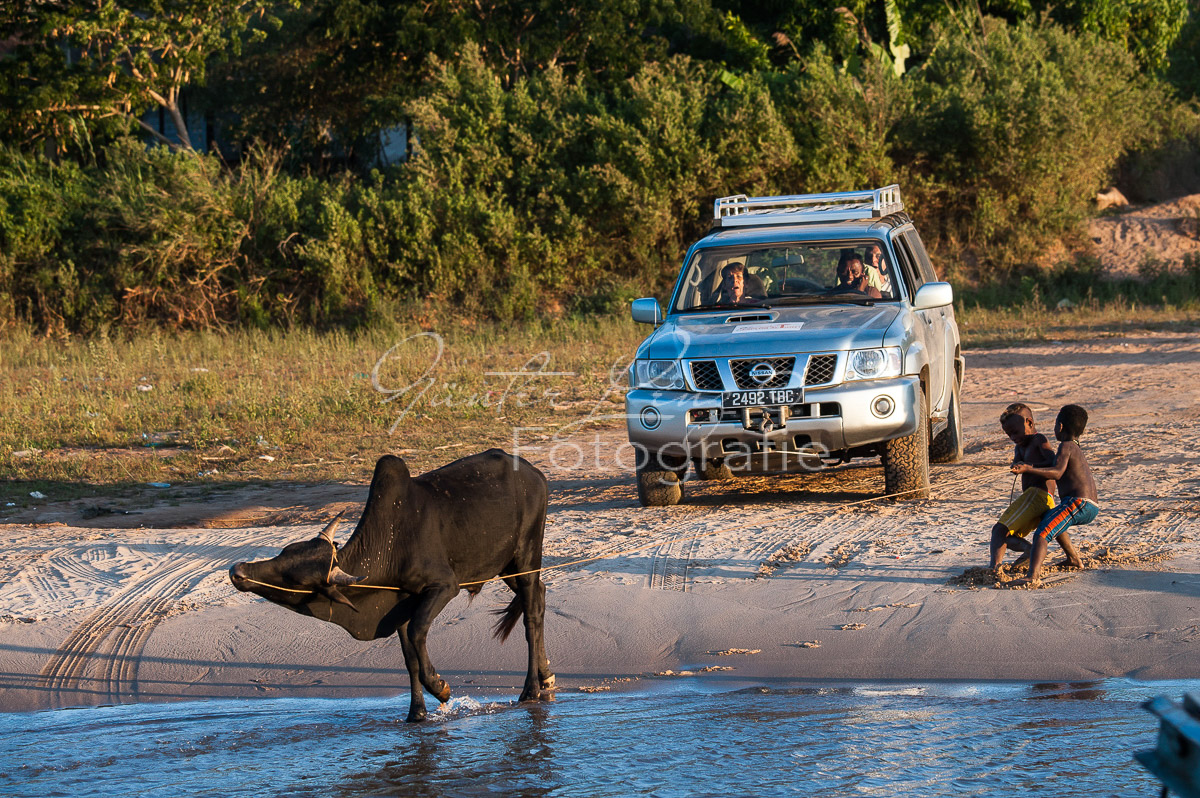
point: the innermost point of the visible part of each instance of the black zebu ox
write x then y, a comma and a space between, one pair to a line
425, 538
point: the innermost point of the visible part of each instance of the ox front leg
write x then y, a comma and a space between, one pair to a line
431, 602
416, 703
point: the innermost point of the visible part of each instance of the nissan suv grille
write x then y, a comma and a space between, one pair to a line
767, 372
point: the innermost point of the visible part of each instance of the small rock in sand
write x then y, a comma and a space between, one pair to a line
1111, 198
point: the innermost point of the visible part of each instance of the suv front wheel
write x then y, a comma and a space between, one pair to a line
906, 460
658, 480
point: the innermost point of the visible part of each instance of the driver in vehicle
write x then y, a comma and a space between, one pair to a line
733, 284
852, 275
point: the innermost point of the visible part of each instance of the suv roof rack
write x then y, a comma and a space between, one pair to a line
742, 211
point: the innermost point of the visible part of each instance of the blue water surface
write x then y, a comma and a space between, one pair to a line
681, 738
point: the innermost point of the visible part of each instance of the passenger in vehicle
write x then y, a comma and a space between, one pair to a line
851, 274
734, 284
879, 274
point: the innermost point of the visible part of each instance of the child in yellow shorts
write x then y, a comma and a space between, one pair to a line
1023, 514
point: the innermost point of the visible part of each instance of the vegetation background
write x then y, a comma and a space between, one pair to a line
562, 154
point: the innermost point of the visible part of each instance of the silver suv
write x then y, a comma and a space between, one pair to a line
803, 331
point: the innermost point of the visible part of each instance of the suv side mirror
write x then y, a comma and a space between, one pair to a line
933, 295
647, 311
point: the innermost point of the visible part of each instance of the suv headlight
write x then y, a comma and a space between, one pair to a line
662, 375
873, 364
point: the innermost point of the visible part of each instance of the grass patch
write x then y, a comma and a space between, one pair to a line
1075, 301
109, 415
1034, 322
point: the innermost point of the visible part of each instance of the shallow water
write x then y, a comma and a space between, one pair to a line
682, 738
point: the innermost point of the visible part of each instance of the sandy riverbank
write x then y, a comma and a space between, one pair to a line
802, 577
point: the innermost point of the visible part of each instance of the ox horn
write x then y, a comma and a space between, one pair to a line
327, 532
339, 577
333, 594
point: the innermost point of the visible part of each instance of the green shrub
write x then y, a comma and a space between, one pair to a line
38, 202
1015, 130
518, 199
844, 122
147, 236
545, 193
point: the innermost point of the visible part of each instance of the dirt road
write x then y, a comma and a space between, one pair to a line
790, 577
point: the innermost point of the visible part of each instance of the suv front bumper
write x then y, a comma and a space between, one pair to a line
829, 421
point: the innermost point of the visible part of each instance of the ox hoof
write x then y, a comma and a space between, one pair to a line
415, 715
533, 694
536, 697
441, 691
548, 682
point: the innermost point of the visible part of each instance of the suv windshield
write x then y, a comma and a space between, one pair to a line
775, 275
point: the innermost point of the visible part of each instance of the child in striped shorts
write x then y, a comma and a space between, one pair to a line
1078, 503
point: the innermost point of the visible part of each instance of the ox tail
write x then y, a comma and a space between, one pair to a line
508, 619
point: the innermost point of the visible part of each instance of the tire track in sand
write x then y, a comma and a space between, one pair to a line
49, 573
837, 531
671, 560
101, 656
69, 563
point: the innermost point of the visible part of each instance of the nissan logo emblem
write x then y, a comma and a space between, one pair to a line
762, 373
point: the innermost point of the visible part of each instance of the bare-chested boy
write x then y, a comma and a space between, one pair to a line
1076, 490
1024, 513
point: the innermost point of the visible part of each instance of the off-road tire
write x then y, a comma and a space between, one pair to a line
712, 469
659, 481
906, 460
658, 488
947, 445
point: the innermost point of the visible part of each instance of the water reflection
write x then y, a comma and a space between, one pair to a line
531, 752
409, 769
1069, 691
471, 750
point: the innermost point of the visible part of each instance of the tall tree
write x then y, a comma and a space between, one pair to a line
340, 71
100, 60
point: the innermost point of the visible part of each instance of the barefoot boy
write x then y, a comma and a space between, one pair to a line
1076, 491
1024, 513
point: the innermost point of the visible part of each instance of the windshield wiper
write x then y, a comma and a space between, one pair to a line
795, 299
857, 297
726, 306
839, 298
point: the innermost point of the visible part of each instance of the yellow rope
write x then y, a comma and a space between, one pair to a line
573, 562
276, 587
658, 543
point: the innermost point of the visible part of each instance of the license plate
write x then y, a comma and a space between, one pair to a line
767, 397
